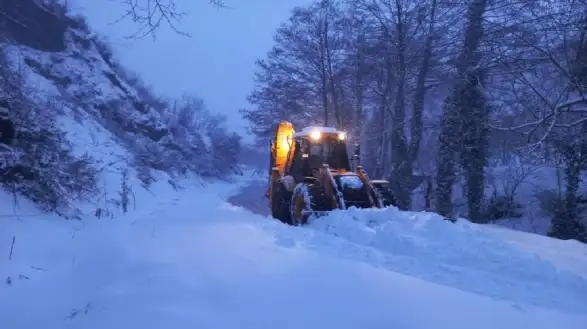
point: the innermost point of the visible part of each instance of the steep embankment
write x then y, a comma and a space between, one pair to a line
86, 125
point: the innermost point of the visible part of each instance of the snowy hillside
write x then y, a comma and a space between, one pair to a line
191, 260
85, 123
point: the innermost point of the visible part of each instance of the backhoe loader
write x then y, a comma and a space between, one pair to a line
310, 175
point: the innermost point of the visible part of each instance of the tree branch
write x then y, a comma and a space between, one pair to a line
150, 15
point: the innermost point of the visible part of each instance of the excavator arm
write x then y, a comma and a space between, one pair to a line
281, 148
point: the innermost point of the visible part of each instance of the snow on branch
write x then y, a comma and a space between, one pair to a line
550, 121
573, 101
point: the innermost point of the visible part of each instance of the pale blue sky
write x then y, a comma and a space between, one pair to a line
216, 63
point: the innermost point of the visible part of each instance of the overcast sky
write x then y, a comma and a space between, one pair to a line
216, 63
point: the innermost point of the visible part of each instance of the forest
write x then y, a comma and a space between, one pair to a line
440, 95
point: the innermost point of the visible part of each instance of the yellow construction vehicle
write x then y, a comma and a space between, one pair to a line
310, 174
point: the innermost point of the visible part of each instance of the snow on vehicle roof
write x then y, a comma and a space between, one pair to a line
325, 130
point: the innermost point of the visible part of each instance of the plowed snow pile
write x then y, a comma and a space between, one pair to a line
191, 260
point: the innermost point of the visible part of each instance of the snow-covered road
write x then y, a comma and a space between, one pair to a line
192, 260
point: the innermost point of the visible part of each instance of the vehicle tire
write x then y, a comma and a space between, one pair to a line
387, 198
280, 203
384, 195
308, 198
299, 203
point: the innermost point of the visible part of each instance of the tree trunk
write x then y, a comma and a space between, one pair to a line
420, 94
324, 79
566, 223
446, 162
401, 166
381, 140
332, 84
463, 129
359, 90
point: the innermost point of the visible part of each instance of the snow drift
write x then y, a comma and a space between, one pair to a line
191, 260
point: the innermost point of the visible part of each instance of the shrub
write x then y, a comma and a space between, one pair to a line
46, 171
501, 207
41, 165
564, 225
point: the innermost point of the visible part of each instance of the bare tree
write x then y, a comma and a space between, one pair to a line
407, 31
150, 15
300, 78
546, 63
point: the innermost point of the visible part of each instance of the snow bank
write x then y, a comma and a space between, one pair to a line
466, 256
191, 260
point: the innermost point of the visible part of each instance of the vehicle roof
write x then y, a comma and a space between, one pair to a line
325, 130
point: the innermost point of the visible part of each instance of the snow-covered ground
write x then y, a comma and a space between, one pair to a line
189, 259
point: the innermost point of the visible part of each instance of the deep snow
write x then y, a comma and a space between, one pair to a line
189, 259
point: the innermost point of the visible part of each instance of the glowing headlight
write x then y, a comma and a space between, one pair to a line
342, 136
315, 135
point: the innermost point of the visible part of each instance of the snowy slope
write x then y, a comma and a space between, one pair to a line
191, 260
111, 122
